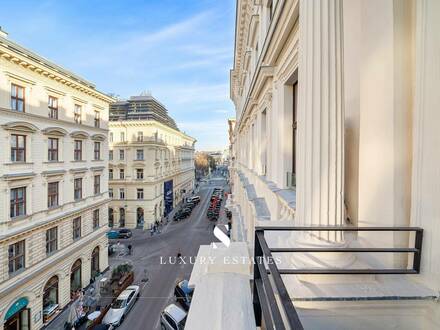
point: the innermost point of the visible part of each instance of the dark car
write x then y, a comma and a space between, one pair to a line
180, 215
124, 233
183, 294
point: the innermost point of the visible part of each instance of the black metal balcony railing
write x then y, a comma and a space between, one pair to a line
266, 306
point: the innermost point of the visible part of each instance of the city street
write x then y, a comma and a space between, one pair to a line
185, 236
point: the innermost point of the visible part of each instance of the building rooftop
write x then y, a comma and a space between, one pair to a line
141, 107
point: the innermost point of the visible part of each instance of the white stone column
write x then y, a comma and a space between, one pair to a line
320, 179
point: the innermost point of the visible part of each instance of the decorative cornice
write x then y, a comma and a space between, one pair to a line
54, 131
18, 55
80, 135
20, 126
98, 137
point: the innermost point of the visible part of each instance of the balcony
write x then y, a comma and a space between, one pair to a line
273, 306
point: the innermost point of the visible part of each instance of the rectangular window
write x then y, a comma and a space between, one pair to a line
121, 173
17, 98
77, 186
18, 148
76, 228
77, 114
121, 154
121, 193
96, 219
140, 193
139, 173
51, 240
97, 150
110, 174
110, 155
52, 194
77, 151
139, 154
52, 151
52, 104
122, 137
110, 192
18, 202
16, 256
97, 119
110, 137
97, 184
140, 136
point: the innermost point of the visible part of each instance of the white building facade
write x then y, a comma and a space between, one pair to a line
151, 168
53, 186
336, 116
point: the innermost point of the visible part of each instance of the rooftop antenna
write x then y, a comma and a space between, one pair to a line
145, 92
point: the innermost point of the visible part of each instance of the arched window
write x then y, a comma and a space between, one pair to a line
94, 269
50, 294
75, 276
110, 217
121, 217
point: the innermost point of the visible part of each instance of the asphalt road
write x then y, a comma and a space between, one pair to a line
152, 254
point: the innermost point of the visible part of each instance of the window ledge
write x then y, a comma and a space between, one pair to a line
78, 161
53, 208
51, 253
97, 160
17, 272
54, 162
20, 217
19, 163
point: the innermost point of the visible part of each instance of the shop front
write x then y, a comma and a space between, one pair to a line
18, 316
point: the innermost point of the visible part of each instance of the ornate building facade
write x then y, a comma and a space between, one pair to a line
53, 186
151, 163
336, 125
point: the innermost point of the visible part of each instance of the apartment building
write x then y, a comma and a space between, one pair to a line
151, 163
53, 186
337, 119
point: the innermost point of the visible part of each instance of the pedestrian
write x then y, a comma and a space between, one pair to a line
130, 249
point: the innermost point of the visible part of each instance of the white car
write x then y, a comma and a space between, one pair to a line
121, 306
173, 318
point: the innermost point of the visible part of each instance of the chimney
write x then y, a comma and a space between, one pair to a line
3, 33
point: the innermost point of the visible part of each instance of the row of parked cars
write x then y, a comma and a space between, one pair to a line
186, 209
174, 315
216, 202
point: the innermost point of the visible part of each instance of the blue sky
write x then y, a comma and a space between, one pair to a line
180, 50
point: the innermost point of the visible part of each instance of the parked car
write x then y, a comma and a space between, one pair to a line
112, 234
183, 294
195, 199
181, 215
121, 306
124, 233
173, 317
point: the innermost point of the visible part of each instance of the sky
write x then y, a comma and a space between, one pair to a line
179, 50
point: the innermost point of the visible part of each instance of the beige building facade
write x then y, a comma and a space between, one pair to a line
53, 186
336, 116
151, 168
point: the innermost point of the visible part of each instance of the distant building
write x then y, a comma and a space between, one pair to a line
151, 163
53, 186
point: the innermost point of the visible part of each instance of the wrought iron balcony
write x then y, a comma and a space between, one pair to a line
268, 282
